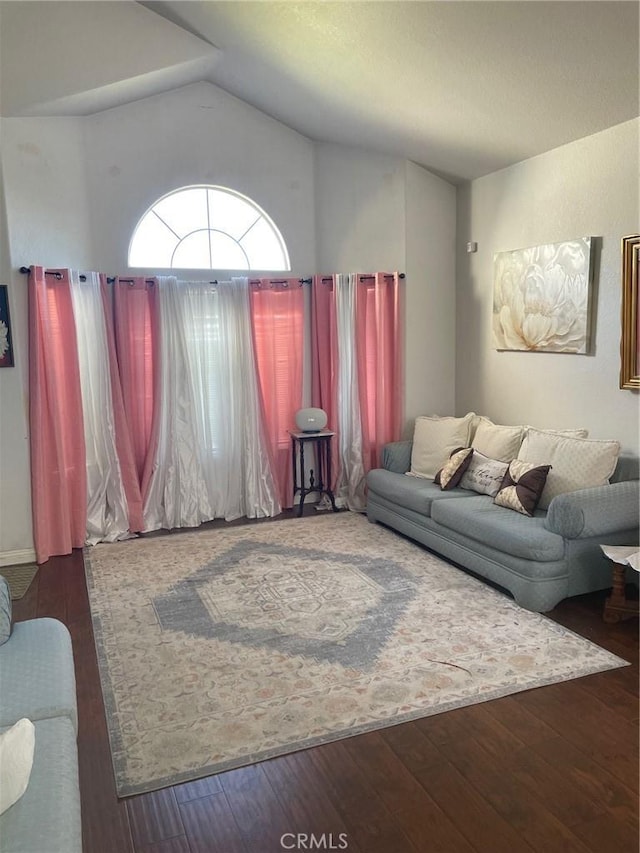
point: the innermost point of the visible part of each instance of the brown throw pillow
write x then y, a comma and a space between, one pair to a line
449, 476
522, 486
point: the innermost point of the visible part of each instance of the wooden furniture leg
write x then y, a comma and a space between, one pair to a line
617, 607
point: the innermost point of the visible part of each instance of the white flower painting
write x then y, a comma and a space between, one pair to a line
541, 298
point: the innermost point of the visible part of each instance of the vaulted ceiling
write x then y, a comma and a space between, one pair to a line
462, 88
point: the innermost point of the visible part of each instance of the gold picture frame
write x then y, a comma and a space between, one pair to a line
630, 341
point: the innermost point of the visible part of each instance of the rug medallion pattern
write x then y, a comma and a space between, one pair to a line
224, 647
292, 599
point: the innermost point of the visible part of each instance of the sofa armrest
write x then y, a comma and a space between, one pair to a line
396, 456
595, 512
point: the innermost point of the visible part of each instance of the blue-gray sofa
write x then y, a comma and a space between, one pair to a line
37, 681
539, 560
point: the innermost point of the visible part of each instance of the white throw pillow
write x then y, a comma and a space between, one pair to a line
434, 439
576, 463
16, 760
497, 441
484, 475
571, 433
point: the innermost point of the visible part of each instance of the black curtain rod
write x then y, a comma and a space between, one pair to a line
111, 279
386, 275
329, 278
57, 275
54, 273
284, 281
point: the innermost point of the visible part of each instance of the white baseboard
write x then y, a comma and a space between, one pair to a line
14, 558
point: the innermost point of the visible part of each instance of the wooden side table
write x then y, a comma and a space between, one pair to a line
320, 481
618, 607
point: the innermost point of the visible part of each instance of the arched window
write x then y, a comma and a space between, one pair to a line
206, 227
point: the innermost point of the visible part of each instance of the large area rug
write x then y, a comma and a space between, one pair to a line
224, 647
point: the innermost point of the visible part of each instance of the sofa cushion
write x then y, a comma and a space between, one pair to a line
5, 610
577, 463
47, 816
627, 468
36, 673
522, 486
497, 441
480, 519
410, 492
484, 475
396, 456
434, 439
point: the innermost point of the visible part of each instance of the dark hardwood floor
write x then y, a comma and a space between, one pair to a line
551, 769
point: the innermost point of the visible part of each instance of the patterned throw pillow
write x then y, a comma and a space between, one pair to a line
522, 486
449, 476
484, 475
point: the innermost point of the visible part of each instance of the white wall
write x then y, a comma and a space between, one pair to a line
376, 212
585, 188
360, 210
46, 223
197, 134
430, 295
45, 190
15, 497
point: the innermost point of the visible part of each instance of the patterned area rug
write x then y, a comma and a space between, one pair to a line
225, 647
19, 578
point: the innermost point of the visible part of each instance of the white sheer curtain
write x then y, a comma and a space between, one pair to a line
213, 459
107, 511
351, 480
177, 495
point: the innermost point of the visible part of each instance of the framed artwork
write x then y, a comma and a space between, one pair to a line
6, 344
630, 341
542, 297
